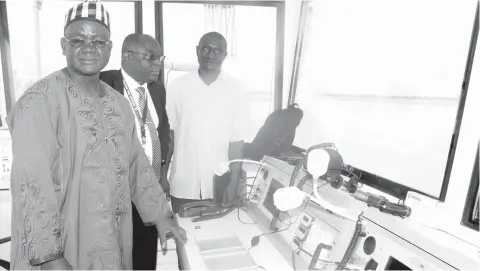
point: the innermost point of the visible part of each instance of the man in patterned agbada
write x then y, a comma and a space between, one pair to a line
78, 163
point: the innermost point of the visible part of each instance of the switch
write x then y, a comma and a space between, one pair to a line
371, 265
297, 241
302, 229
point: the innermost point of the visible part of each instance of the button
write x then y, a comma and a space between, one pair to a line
302, 229
369, 245
297, 241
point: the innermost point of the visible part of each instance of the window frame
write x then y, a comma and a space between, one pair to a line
279, 44
382, 184
6, 58
6, 53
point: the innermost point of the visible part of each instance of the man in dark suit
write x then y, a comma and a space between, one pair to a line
141, 63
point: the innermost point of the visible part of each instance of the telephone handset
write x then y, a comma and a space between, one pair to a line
203, 210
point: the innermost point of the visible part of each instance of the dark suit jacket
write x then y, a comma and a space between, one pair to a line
114, 78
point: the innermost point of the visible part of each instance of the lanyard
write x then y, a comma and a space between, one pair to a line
141, 118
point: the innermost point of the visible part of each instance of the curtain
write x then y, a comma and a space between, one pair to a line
221, 19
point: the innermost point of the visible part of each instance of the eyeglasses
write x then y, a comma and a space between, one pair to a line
150, 57
207, 49
78, 43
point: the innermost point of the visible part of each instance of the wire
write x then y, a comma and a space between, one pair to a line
295, 171
315, 258
304, 180
245, 223
252, 186
273, 232
311, 256
318, 188
298, 216
256, 176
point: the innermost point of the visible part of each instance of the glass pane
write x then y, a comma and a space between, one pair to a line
148, 8
251, 36
36, 30
122, 19
3, 104
5, 141
382, 80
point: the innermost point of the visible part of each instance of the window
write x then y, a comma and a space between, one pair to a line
251, 36
122, 19
148, 14
36, 28
35, 32
5, 142
382, 80
471, 210
3, 103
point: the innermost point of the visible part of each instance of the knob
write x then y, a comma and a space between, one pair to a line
337, 181
369, 245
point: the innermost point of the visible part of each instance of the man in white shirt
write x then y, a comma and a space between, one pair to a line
209, 119
137, 81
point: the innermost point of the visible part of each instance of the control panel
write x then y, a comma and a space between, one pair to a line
307, 234
393, 243
379, 249
302, 230
312, 237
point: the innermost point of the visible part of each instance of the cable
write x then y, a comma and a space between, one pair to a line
304, 180
295, 171
316, 258
351, 245
240, 204
297, 167
298, 216
299, 249
249, 195
256, 176
256, 239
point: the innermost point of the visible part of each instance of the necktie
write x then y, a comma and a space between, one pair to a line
156, 147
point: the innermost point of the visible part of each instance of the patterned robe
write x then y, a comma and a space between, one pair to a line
77, 166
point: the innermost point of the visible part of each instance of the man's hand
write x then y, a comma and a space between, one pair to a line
170, 225
231, 193
166, 189
58, 264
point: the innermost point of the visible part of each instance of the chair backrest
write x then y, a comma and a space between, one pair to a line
3, 263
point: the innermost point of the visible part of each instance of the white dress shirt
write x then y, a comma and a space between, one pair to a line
132, 85
205, 120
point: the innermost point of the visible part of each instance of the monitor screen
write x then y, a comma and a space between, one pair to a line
382, 80
268, 201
